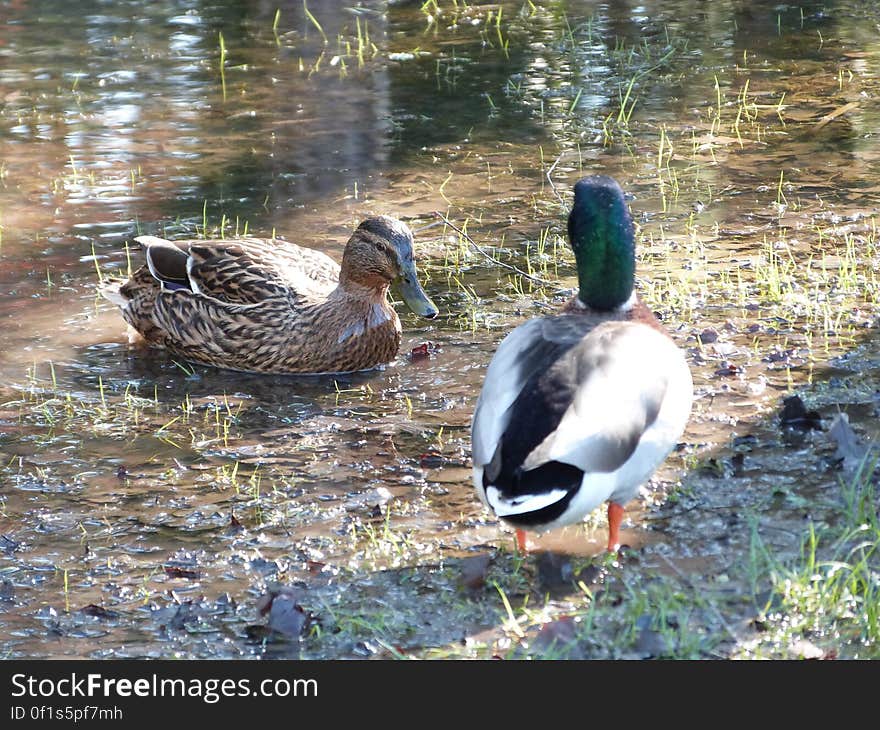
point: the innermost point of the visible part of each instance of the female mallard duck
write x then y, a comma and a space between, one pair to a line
267, 306
580, 408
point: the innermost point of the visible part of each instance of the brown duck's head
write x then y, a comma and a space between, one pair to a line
380, 253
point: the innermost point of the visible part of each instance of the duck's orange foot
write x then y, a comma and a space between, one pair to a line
521, 541
615, 517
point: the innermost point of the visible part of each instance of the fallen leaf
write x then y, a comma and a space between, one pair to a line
727, 369
264, 603
177, 571
777, 354
474, 570
554, 571
314, 566
287, 617
850, 450
424, 350
650, 642
431, 460
99, 612
182, 614
795, 415
708, 336
557, 634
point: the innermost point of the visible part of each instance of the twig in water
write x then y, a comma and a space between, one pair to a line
427, 226
489, 256
550, 179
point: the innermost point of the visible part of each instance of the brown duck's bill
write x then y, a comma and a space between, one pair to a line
409, 288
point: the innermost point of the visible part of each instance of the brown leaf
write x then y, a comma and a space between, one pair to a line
177, 571
431, 460
557, 634
423, 351
650, 642
555, 571
849, 448
264, 603
315, 566
708, 336
727, 369
474, 570
273, 591
287, 617
99, 612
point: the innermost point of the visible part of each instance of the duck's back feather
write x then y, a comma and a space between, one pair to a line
527, 351
243, 271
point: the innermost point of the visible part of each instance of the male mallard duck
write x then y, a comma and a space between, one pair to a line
581, 407
261, 305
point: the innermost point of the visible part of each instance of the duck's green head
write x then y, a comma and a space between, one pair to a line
601, 232
380, 253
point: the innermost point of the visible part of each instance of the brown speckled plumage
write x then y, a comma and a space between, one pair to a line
269, 306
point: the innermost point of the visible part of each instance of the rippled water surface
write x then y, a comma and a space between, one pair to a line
146, 505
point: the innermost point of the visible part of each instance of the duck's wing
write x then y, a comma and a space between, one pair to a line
243, 271
233, 336
301, 266
586, 409
529, 349
596, 401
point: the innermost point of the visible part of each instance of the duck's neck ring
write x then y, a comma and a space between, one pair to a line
627, 306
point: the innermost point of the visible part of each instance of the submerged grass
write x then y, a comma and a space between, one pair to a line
124, 415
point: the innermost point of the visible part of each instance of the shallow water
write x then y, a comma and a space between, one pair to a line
146, 504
